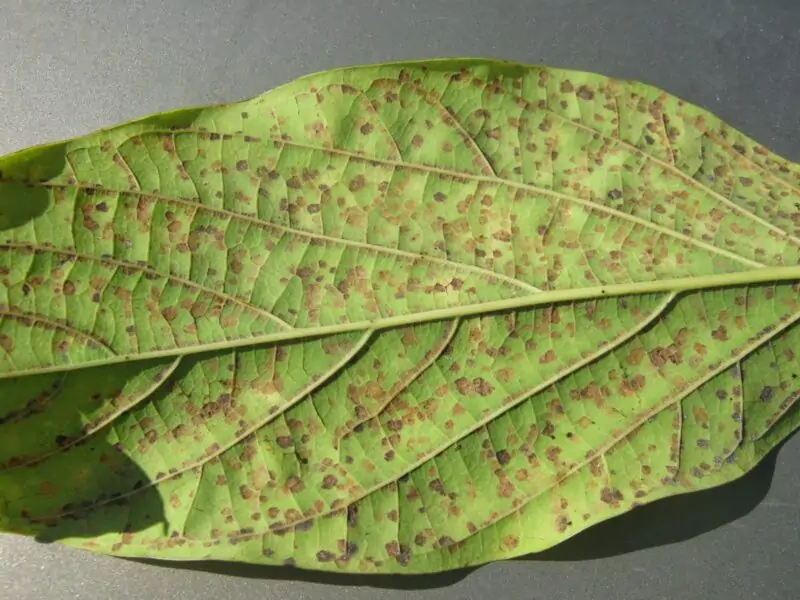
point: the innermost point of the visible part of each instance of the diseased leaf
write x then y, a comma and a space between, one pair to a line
408, 317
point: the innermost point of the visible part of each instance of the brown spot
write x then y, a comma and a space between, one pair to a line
661, 355
6, 343
510, 542
552, 453
766, 394
325, 556
417, 141
352, 516
633, 385
596, 468
357, 183
505, 489
394, 425
366, 128
242, 165
347, 548
439, 197
285, 441
503, 457
720, 334
295, 484
436, 486
482, 387
463, 386
547, 357
636, 356
700, 415
562, 523
611, 497
317, 128
210, 409
329, 482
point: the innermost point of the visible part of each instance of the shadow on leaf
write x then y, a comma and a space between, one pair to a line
60, 480
20, 204
21, 199
121, 517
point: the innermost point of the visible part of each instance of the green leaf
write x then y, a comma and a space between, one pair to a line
397, 318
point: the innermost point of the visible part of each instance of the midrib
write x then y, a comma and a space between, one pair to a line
679, 285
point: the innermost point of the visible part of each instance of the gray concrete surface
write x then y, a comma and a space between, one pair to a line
71, 66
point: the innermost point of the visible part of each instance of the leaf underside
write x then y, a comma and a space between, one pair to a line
397, 318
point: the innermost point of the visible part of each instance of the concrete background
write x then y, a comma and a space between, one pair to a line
69, 67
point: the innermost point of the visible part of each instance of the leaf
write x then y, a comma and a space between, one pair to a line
398, 318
